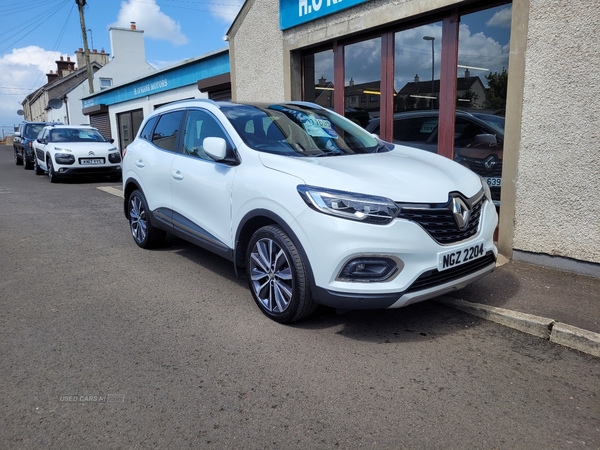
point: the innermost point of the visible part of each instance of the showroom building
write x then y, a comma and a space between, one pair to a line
533, 63
119, 111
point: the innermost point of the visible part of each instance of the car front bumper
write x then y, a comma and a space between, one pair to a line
68, 171
330, 243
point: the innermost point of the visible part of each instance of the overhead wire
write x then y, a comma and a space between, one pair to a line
37, 22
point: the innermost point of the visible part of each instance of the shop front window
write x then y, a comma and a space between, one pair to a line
481, 86
400, 84
417, 62
318, 78
362, 68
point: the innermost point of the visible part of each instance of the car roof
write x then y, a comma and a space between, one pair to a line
71, 127
228, 104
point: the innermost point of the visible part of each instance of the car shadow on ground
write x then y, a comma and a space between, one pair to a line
419, 322
88, 180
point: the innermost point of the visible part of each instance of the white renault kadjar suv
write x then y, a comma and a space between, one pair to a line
314, 208
64, 151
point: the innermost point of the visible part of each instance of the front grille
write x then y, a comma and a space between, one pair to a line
439, 222
434, 277
478, 166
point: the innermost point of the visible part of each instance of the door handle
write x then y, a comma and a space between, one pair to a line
140, 163
176, 174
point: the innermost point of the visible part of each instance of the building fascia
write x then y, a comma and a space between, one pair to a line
182, 74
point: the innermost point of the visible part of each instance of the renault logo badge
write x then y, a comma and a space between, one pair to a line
461, 213
489, 163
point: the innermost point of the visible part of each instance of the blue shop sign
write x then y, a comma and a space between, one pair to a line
296, 12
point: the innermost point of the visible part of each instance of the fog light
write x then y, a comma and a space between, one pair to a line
369, 269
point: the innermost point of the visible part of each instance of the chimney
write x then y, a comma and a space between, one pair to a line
133, 27
51, 76
80, 57
416, 78
467, 73
64, 67
322, 81
351, 82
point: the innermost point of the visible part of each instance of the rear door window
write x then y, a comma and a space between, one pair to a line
166, 131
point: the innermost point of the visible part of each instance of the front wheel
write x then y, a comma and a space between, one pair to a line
144, 233
51, 173
277, 276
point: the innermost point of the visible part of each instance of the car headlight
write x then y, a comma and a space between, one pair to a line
64, 158
349, 205
486, 189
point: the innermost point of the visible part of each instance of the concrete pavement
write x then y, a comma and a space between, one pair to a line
559, 306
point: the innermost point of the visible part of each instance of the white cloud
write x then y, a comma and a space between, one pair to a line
21, 72
148, 17
501, 18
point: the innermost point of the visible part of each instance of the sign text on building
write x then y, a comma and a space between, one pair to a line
296, 12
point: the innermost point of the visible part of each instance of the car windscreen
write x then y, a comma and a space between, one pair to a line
75, 135
32, 131
299, 130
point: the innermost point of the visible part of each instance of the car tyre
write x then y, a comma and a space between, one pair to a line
36, 168
144, 233
51, 173
27, 165
277, 276
18, 159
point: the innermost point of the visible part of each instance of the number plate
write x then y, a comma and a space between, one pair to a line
454, 258
86, 161
494, 182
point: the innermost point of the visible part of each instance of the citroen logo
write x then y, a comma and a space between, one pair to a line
91, 153
489, 163
461, 213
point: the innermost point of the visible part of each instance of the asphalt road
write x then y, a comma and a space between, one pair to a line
105, 345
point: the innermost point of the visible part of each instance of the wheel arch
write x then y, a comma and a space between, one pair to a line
130, 186
257, 219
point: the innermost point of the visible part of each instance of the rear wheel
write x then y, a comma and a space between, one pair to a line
144, 233
278, 276
18, 159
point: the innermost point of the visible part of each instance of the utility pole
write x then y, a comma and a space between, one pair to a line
86, 50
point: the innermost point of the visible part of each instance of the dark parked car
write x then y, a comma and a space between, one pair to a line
478, 144
23, 142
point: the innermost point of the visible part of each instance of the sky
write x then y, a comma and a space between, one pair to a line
35, 33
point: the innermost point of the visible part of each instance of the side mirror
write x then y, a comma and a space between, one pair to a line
17, 134
486, 139
111, 140
215, 147
40, 140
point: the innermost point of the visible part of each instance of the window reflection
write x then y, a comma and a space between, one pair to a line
362, 94
417, 62
318, 78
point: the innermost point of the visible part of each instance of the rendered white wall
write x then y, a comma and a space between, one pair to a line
128, 58
557, 207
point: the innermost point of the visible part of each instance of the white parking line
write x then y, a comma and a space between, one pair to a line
112, 190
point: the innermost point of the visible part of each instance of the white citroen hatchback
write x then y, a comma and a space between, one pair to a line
312, 207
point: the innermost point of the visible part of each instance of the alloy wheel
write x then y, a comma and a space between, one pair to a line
271, 275
137, 219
